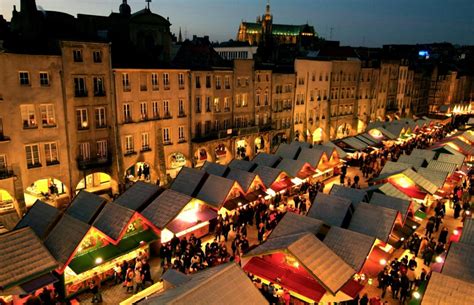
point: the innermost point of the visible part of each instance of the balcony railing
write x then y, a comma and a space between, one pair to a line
181, 114
93, 163
167, 116
99, 93
6, 172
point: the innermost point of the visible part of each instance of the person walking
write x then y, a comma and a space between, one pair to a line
138, 280
94, 286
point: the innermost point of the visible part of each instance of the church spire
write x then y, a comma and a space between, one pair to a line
267, 8
180, 37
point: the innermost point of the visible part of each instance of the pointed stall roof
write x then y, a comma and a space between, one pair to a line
443, 290
449, 150
163, 209
65, 237
373, 220
311, 156
328, 150
41, 218
215, 169
225, 284
459, 262
328, 268
215, 190
402, 206
333, 210
287, 151
266, 159
355, 143
414, 161
442, 166
438, 178
267, 174
291, 167
466, 149
352, 247
467, 235
366, 140
395, 129
113, 219
387, 189
421, 181
242, 165
138, 196
22, 258
340, 151
244, 178
449, 158
426, 154
468, 136
85, 206
394, 167
387, 133
189, 181
354, 195
300, 144
293, 223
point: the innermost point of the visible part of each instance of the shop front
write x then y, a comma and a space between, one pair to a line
98, 183
176, 161
49, 190
98, 253
201, 156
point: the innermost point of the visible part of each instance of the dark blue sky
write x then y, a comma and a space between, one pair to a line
354, 22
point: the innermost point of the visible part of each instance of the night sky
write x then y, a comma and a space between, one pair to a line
353, 22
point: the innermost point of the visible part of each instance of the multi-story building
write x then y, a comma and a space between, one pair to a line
442, 88
366, 108
312, 97
153, 118
282, 99
33, 141
343, 104
90, 115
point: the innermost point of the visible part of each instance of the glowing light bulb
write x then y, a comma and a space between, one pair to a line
383, 262
98, 260
416, 295
439, 259
456, 232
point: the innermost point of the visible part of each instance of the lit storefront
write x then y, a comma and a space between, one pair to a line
98, 183
49, 190
178, 214
176, 161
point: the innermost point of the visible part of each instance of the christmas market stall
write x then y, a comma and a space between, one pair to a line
224, 195
117, 234
379, 222
320, 161
404, 207
215, 169
26, 266
85, 206
333, 210
412, 184
303, 265
293, 223
275, 180
41, 218
244, 165
289, 151
251, 183
174, 213
414, 161
265, 159
353, 194
459, 262
444, 290
386, 189
224, 284
298, 170
189, 181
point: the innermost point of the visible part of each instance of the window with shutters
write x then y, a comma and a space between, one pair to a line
32, 155
51, 153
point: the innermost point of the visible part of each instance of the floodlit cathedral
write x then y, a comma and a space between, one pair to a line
265, 31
